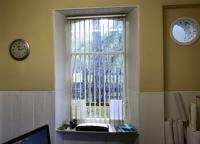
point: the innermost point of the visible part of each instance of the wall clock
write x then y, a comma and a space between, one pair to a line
19, 49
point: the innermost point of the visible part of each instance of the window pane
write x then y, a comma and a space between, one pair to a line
97, 35
98, 80
97, 66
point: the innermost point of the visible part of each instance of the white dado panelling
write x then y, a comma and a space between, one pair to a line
1, 125
151, 118
171, 109
22, 111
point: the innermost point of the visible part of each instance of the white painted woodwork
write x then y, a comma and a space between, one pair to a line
62, 99
133, 66
171, 109
62, 105
151, 116
23, 111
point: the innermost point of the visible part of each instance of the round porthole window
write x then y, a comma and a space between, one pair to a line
184, 31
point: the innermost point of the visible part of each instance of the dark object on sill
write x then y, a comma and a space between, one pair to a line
92, 127
63, 127
125, 128
73, 123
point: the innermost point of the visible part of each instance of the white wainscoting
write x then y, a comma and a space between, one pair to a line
151, 118
22, 111
171, 109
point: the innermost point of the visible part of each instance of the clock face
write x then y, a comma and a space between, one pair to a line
19, 49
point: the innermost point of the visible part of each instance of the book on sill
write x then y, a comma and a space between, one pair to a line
125, 128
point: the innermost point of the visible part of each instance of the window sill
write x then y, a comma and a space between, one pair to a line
111, 131
91, 136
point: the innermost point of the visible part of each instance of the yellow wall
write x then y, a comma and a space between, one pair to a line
32, 20
181, 62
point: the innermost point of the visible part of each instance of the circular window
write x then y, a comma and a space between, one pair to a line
184, 31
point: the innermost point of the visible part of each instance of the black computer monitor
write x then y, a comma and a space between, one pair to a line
37, 136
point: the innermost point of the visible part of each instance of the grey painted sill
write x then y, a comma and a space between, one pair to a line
111, 131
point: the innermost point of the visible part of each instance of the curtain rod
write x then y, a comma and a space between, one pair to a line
94, 16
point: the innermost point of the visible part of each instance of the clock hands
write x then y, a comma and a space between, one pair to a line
19, 49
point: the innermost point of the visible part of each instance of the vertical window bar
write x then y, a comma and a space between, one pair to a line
109, 88
121, 94
104, 91
117, 88
85, 68
122, 72
114, 77
124, 103
75, 34
100, 60
92, 98
92, 71
119, 101
71, 28
104, 84
114, 93
75, 95
90, 111
94, 75
99, 107
109, 78
75, 45
81, 78
117, 96
90, 95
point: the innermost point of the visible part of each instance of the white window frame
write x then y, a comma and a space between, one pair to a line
69, 74
62, 95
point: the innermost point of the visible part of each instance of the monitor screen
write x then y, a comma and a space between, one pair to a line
37, 136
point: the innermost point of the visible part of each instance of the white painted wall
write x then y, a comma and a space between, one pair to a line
23, 111
151, 110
